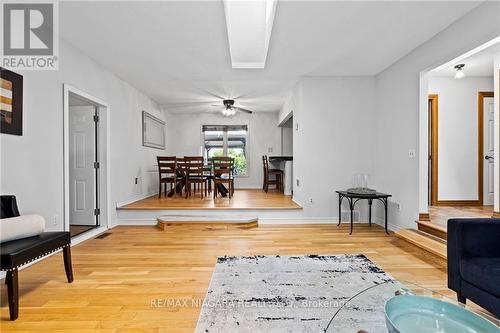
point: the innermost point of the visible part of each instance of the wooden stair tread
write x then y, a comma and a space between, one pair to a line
433, 225
423, 240
210, 221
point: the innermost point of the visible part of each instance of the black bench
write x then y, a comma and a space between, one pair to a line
16, 253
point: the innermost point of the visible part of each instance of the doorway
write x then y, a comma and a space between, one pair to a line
485, 153
83, 165
86, 176
486, 108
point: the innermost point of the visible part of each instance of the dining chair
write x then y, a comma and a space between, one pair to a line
167, 172
277, 181
194, 169
223, 172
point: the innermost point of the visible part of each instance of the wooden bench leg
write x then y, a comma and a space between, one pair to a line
13, 293
67, 263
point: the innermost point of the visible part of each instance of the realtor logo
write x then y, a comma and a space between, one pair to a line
30, 35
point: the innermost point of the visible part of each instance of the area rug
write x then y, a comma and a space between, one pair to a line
295, 294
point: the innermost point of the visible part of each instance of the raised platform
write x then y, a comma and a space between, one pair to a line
241, 200
246, 205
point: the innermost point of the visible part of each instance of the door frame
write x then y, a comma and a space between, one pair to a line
480, 107
434, 154
103, 149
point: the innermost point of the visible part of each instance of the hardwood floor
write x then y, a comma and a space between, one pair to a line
117, 277
440, 214
242, 199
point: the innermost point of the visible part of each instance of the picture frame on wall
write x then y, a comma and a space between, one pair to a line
11, 102
153, 131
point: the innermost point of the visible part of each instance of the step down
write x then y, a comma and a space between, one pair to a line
433, 229
430, 243
212, 221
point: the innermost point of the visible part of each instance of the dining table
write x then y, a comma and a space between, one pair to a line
207, 172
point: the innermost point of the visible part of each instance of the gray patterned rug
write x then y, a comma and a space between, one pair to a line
295, 294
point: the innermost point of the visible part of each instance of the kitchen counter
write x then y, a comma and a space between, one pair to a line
280, 158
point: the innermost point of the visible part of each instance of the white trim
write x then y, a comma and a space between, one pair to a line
298, 220
88, 235
105, 200
261, 221
137, 222
286, 118
467, 54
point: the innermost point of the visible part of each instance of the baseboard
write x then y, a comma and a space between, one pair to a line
458, 203
297, 220
136, 198
496, 215
137, 222
89, 234
390, 226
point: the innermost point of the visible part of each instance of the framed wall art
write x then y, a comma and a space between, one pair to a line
11, 102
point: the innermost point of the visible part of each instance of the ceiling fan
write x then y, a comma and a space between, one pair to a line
230, 109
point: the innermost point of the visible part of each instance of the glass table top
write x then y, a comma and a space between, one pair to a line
364, 312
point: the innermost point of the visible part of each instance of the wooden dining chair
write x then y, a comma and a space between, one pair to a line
223, 173
167, 173
277, 181
194, 170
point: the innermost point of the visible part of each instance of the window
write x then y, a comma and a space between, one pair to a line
227, 140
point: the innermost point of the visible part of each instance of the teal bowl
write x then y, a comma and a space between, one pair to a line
418, 314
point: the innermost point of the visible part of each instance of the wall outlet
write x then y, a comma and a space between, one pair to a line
412, 153
136, 180
297, 181
54, 220
310, 200
398, 206
270, 149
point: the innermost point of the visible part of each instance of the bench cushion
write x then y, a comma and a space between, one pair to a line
21, 227
484, 273
21, 251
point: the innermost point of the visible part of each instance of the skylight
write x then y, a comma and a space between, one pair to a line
249, 25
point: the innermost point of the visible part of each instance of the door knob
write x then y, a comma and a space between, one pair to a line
489, 157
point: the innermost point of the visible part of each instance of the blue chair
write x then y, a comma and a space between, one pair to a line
474, 261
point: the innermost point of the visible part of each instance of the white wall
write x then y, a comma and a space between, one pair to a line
334, 140
184, 138
458, 134
32, 164
399, 102
287, 140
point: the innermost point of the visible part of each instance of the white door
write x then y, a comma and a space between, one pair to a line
82, 179
489, 146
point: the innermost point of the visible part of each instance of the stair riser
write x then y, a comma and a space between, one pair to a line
436, 232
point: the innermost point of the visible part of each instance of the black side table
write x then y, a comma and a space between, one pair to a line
352, 198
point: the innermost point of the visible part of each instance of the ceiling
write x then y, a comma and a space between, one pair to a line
479, 64
177, 52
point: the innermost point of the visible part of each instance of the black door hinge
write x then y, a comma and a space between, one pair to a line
97, 211
96, 165
96, 118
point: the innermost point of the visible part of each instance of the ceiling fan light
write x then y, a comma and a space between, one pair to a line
460, 72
